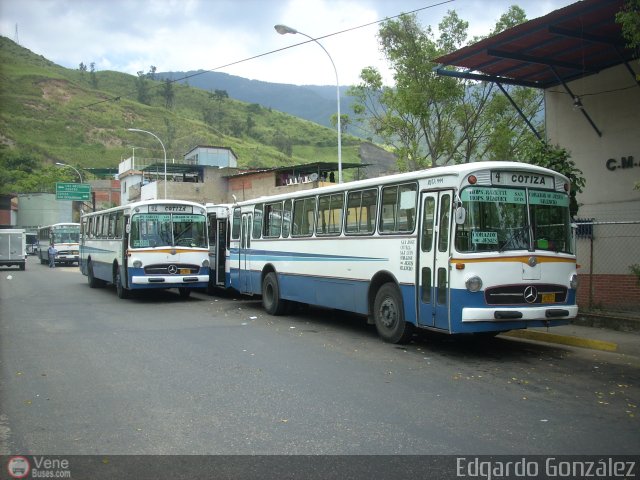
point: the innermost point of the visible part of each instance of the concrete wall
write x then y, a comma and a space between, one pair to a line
39, 209
610, 163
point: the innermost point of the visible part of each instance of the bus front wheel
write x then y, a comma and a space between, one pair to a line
388, 314
271, 300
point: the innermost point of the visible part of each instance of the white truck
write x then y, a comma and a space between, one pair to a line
13, 247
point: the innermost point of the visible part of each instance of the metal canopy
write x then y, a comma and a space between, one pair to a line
567, 44
572, 42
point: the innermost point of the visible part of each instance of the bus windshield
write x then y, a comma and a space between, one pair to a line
499, 219
70, 234
168, 229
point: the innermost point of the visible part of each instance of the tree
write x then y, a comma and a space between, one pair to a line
92, 75
344, 121
429, 119
152, 72
559, 159
168, 94
142, 87
629, 18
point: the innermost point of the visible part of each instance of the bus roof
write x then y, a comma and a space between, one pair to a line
459, 171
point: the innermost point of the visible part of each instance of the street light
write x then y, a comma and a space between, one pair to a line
165, 155
283, 30
70, 166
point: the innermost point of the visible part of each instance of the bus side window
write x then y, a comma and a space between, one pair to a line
286, 219
235, 226
398, 209
272, 222
428, 217
330, 210
303, 216
119, 225
257, 221
444, 223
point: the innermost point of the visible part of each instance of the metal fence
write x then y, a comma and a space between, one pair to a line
608, 266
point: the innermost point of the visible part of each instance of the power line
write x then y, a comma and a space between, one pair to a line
273, 51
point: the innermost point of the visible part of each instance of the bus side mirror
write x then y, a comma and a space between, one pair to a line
460, 215
127, 228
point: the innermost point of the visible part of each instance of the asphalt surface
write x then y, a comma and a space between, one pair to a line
84, 373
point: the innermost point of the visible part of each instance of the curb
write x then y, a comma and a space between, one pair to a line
563, 340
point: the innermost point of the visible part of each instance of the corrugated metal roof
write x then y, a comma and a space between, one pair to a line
572, 42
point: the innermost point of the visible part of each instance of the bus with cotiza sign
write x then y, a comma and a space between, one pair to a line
154, 244
481, 247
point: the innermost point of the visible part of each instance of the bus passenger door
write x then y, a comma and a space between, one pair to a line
245, 246
433, 273
221, 251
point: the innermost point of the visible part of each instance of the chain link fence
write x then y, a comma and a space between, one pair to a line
608, 266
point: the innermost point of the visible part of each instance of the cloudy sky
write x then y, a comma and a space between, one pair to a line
180, 35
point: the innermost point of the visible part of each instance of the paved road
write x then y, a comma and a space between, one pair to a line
82, 372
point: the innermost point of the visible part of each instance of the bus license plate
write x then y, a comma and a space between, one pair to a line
548, 298
185, 271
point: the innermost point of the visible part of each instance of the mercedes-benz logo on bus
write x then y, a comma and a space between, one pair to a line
172, 269
530, 294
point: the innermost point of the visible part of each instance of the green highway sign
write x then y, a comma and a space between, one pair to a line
73, 191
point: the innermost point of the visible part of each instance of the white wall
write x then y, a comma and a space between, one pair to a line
612, 100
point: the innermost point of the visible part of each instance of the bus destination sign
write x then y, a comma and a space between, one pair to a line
170, 209
522, 179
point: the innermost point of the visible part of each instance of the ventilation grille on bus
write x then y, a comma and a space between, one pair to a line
525, 294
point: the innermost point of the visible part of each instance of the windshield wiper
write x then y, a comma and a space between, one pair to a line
513, 234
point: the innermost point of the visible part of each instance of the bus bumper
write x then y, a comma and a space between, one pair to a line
555, 312
171, 280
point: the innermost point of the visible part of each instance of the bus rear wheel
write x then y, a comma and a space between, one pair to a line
271, 300
120, 289
93, 281
388, 314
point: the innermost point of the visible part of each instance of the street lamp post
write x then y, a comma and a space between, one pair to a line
283, 30
70, 166
165, 155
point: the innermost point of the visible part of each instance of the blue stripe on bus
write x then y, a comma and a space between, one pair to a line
267, 255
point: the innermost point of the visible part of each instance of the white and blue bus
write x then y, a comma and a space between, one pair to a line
475, 248
65, 237
155, 244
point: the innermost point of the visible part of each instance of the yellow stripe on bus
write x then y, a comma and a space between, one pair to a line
520, 259
171, 251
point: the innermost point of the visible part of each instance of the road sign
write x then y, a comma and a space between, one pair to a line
73, 191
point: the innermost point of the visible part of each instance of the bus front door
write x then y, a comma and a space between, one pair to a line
244, 271
433, 273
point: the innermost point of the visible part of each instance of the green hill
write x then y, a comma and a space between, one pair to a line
53, 114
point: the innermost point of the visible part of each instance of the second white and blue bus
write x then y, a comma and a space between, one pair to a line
155, 244
475, 248
65, 237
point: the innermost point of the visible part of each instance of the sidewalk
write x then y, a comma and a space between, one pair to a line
607, 332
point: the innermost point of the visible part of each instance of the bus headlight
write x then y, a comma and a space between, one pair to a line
137, 264
473, 284
573, 281
205, 263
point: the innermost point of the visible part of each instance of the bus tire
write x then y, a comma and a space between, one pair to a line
93, 281
184, 292
120, 289
388, 313
271, 300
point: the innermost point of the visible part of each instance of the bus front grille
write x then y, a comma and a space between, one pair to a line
171, 269
532, 294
